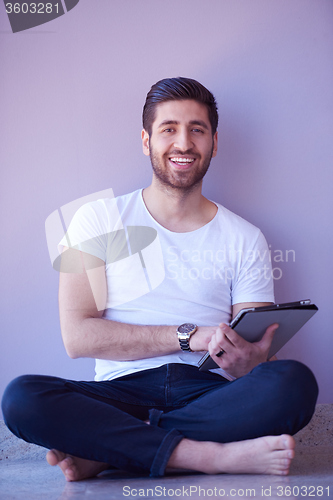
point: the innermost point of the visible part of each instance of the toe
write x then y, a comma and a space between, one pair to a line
68, 461
288, 442
70, 474
53, 457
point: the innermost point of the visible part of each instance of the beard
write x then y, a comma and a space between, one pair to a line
182, 180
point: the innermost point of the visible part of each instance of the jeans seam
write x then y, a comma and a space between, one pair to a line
167, 386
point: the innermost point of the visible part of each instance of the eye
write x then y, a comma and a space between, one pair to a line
197, 130
168, 130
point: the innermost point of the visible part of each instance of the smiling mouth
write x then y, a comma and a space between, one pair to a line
182, 162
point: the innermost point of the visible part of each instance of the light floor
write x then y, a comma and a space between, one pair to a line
311, 476
24, 474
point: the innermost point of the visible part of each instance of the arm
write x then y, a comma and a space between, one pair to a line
82, 300
247, 305
240, 356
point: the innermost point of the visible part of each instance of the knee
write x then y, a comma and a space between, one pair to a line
20, 402
14, 400
296, 389
298, 381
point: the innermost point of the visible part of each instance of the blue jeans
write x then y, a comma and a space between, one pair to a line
104, 421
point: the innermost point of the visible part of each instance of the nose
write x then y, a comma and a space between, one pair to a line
183, 140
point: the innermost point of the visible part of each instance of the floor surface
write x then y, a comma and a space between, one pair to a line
37, 480
24, 474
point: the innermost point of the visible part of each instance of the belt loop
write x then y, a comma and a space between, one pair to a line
154, 416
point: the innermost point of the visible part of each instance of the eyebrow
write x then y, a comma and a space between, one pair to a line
192, 122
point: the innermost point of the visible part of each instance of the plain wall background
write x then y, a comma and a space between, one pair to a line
71, 98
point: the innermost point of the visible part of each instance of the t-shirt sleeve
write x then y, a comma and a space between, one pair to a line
254, 282
88, 230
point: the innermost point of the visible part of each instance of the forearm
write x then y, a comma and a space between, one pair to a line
82, 300
105, 339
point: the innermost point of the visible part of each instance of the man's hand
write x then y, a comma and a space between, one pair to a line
239, 356
200, 340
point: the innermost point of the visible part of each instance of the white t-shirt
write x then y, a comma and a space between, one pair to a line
159, 277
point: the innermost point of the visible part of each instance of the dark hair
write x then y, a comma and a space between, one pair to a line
180, 88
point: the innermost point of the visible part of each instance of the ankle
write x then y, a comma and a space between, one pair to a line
195, 455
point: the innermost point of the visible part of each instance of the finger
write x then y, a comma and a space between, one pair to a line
213, 351
218, 346
268, 336
219, 335
214, 346
231, 336
222, 338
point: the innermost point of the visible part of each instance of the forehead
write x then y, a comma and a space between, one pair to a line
183, 112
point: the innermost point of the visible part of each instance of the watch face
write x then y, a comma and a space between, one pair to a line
186, 328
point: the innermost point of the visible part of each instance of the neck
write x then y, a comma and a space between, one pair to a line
176, 209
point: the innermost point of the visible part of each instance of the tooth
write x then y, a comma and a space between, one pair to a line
182, 160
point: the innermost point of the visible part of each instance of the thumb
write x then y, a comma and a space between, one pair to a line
268, 336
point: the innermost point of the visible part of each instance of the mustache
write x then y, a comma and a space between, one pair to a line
183, 153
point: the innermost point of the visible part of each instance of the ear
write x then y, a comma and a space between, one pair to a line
214, 145
145, 142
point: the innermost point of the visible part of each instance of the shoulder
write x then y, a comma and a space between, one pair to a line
92, 221
102, 208
129, 199
235, 222
239, 232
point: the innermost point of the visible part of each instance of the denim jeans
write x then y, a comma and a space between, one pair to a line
104, 421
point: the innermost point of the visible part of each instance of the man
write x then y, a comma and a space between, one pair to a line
150, 409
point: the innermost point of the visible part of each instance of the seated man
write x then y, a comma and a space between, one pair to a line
150, 409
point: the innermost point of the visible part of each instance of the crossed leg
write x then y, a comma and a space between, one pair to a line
264, 455
42, 409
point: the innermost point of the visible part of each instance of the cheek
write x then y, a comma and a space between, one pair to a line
161, 146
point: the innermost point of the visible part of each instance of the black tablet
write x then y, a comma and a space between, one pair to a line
252, 323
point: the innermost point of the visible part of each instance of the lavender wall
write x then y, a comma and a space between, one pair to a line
71, 97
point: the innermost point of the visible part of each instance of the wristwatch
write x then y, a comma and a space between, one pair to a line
184, 333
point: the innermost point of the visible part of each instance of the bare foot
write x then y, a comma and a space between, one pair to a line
74, 468
264, 455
